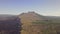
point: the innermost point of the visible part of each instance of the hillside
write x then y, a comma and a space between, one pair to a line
34, 23
27, 18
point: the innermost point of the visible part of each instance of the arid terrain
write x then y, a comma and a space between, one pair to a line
33, 23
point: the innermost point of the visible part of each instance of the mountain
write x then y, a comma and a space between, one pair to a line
7, 17
28, 18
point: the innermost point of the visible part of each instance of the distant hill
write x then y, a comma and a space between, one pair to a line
52, 17
7, 17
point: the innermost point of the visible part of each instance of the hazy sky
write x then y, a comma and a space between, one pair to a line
44, 7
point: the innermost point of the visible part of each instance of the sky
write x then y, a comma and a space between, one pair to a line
43, 7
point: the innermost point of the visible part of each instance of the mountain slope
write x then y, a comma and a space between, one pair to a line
29, 17
29, 27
